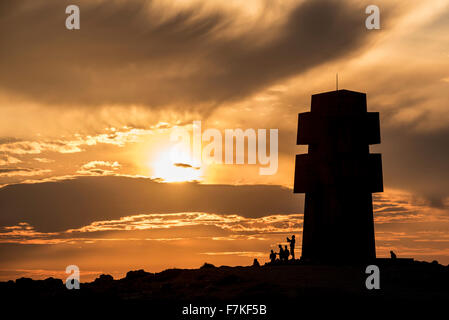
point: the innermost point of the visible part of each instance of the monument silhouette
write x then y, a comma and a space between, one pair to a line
338, 177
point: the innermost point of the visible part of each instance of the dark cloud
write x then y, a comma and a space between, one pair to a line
11, 170
417, 161
57, 206
185, 165
7, 140
126, 53
98, 171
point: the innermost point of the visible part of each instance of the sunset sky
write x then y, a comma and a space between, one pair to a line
89, 175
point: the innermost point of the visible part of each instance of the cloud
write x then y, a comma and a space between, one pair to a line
71, 204
44, 160
232, 223
417, 162
96, 163
75, 142
12, 172
36, 147
251, 254
99, 167
185, 165
403, 223
7, 160
138, 53
165, 226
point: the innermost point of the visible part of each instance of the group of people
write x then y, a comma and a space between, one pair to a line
284, 253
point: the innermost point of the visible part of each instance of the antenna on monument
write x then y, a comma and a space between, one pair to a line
336, 80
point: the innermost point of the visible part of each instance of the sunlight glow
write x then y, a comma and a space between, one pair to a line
176, 165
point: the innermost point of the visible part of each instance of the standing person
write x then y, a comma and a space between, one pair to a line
281, 253
273, 257
286, 254
292, 246
393, 255
256, 263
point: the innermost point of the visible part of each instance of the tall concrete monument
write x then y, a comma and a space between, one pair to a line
338, 176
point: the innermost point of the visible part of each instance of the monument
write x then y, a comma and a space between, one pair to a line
338, 177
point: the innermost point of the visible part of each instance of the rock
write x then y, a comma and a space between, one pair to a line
137, 274
207, 266
52, 283
24, 282
105, 278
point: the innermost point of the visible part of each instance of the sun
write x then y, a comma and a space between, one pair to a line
175, 165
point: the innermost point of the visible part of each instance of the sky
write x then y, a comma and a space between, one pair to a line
90, 174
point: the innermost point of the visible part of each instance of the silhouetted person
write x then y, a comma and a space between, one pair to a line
393, 255
256, 263
286, 253
272, 256
292, 246
281, 253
